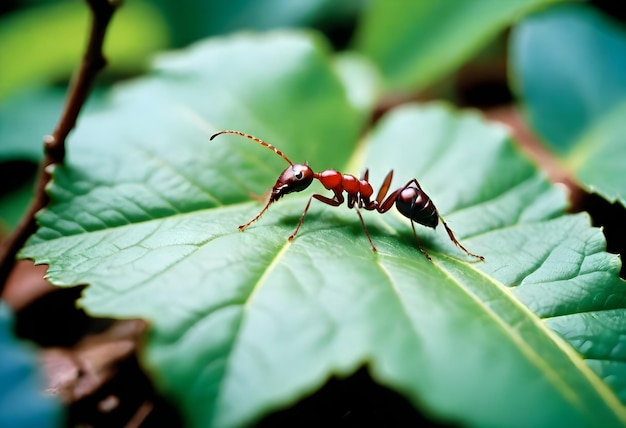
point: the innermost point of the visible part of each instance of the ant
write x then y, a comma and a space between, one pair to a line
410, 199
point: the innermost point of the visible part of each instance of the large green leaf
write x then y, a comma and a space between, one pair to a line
569, 64
414, 43
146, 213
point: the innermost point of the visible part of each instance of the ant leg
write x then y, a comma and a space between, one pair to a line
418, 242
334, 203
321, 198
244, 226
369, 238
457, 243
384, 188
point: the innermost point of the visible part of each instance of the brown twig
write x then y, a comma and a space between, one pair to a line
54, 144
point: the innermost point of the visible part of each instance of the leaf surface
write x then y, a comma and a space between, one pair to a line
146, 213
569, 63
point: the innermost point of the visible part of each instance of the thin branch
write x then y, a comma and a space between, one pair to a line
54, 144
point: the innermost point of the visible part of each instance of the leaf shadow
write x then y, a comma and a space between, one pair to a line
355, 400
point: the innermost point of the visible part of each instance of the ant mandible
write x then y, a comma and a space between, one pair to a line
410, 199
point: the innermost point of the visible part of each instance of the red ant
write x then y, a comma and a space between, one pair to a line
410, 199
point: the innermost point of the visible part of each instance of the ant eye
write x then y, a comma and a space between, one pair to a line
299, 175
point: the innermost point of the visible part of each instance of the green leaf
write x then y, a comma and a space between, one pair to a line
415, 43
569, 64
43, 44
146, 213
21, 400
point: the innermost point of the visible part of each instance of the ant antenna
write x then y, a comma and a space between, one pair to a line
250, 137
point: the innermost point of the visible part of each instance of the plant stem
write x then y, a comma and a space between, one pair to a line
54, 144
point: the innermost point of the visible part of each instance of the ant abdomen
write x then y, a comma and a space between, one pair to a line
415, 204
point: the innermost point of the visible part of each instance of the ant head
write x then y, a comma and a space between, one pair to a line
295, 178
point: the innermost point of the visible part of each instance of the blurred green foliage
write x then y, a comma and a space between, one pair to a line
416, 42
569, 66
190, 20
45, 43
